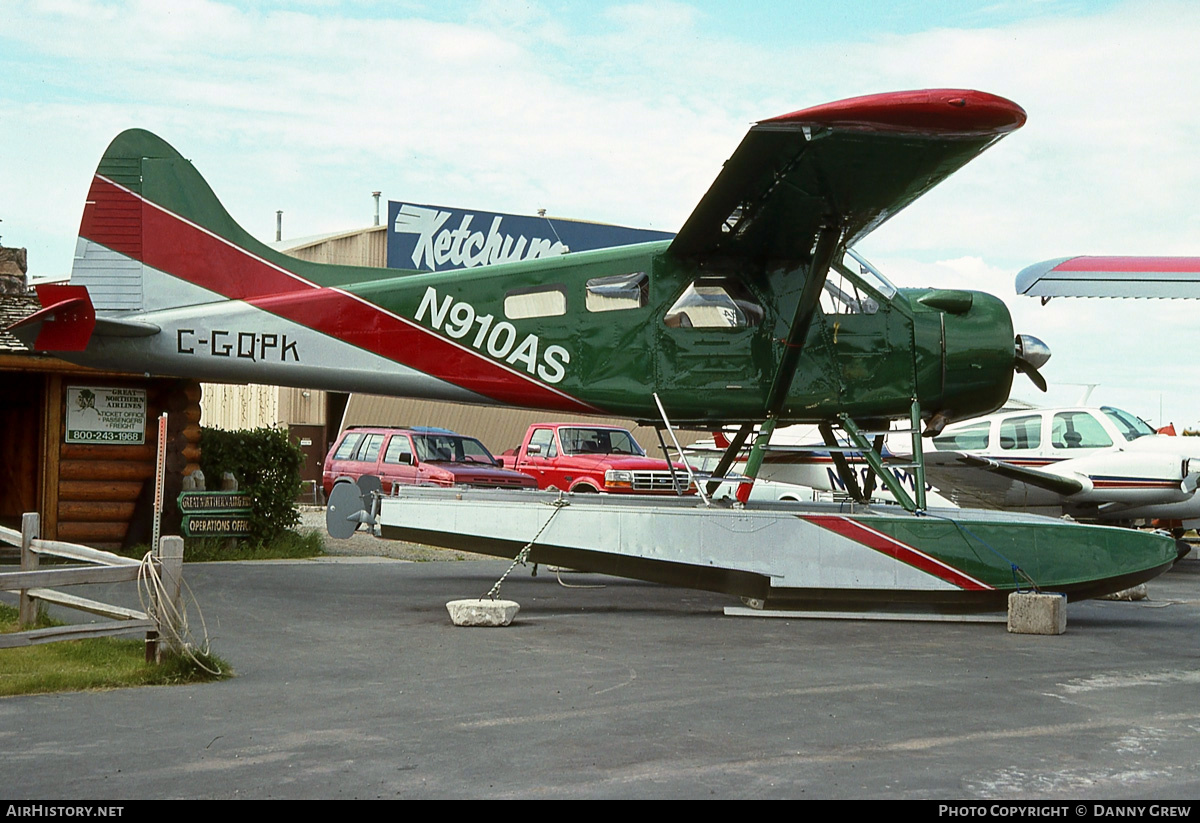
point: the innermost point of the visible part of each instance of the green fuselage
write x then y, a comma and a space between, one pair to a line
869, 364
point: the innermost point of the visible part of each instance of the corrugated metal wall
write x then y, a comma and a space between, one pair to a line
223, 406
365, 247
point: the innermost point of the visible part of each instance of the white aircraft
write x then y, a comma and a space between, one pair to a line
797, 467
1090, 463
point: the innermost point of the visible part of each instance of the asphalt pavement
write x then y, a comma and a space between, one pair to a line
351, 682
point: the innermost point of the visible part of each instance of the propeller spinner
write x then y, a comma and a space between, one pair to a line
1031, 354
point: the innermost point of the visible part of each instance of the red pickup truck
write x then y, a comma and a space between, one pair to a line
585, 458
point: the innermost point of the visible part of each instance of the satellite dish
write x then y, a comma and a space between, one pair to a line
368, 484
344, 511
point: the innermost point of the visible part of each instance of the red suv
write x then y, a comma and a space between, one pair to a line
416, 456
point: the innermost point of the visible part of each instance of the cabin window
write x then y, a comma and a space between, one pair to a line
349, 445
714, 305
541, 302
617, 293
971, 438
843, 296
398, 446
1021, 432
871, 275
1078, 430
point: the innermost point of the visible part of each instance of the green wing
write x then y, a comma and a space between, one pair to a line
851, 164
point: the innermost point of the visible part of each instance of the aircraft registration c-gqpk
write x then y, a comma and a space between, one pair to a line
757, 313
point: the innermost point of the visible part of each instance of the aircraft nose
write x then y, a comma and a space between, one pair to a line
1031, 354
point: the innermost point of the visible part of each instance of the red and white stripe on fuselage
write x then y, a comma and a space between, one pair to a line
204, 261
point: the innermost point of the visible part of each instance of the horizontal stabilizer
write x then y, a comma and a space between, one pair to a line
65, 323
68, 320
1112, 277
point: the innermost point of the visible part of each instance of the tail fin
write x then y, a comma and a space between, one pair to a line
154, 236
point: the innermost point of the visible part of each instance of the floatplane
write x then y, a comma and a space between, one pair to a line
757, 314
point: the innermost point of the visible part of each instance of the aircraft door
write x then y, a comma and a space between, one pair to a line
710, 340
872, 367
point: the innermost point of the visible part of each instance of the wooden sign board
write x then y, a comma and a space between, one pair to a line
216, 525
208, 502
105, 415
215, 514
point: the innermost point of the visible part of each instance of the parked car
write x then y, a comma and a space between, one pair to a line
416, 456
584, 458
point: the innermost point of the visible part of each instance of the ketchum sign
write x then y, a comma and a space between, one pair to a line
438, 238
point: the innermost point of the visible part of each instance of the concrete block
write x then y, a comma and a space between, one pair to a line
1032, 613
481, 612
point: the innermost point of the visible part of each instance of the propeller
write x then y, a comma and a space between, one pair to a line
1031, 354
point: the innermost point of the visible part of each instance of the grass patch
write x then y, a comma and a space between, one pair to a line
288, 546
92, 663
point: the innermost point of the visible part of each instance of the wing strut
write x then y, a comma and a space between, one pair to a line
827, 246
731, 453
828, 243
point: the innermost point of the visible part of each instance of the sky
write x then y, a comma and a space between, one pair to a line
624, 113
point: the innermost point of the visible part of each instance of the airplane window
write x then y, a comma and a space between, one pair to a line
1021, 432
1131, 426
1078, 430
622, 291
872, 276
714, 305
971, 438
844, 295
543, 302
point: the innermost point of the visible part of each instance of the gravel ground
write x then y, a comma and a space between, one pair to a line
363, 544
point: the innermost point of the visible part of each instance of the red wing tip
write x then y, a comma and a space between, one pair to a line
936, 111
1151, 265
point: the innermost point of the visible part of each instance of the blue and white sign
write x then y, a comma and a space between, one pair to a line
438, 238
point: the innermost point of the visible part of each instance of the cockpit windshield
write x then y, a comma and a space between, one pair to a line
1130, 426
871, 275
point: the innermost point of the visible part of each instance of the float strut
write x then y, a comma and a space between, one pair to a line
876, 462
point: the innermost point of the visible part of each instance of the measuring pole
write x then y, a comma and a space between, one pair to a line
160, 474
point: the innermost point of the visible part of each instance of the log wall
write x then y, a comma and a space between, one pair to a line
103, 494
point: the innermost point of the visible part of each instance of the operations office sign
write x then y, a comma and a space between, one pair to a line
106, 415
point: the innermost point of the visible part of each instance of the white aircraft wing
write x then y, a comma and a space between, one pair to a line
1112, 277
982, 482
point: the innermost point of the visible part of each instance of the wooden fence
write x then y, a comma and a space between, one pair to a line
35, 583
